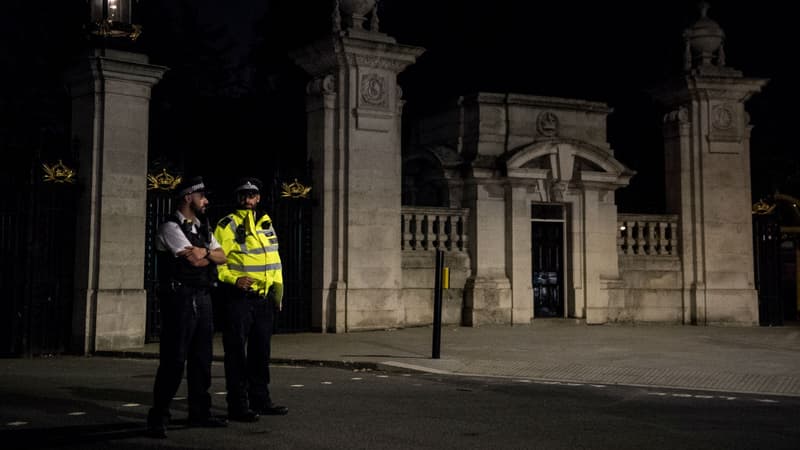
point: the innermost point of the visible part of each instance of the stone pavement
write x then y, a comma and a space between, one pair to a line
730, 359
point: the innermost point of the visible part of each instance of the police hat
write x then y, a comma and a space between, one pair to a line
190, 186
248, 184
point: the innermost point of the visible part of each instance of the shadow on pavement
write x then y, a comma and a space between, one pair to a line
77, 436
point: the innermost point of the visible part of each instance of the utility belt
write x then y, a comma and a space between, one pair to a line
254, 295
177, 286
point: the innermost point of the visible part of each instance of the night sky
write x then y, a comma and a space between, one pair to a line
232, 87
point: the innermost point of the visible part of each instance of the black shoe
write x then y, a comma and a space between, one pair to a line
156, 430
207, 422
272, 410
156, 425
243, 416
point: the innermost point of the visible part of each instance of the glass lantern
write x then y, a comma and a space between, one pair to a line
113, 19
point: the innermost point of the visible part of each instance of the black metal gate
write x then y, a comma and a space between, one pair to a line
291, 217
789, 258
766, 242
159, 206
547, 243
37, 241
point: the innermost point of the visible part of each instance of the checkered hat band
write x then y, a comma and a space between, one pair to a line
193, 188
247, 187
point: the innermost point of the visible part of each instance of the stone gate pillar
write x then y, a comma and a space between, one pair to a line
110, 112
353, 110
707, 151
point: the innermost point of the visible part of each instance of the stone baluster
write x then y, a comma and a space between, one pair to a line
652, 243
425, 227
640, 237
405, 241
451, 223
417, 231
434, 231
464, 238
673, 241
629, 241
441, 221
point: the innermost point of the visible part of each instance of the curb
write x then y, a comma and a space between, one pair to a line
351, 365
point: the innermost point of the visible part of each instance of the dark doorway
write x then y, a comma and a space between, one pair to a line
547, 244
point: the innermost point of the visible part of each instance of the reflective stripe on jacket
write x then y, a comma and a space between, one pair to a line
251, 248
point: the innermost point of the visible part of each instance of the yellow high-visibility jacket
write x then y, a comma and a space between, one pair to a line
251, 248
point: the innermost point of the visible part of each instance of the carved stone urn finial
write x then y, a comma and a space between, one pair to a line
354, 12
704, 39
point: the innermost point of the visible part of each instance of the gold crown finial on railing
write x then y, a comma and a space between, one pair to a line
163, 181
295, 190
761, 208
58, 173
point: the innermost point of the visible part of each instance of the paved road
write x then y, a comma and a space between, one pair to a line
72, 402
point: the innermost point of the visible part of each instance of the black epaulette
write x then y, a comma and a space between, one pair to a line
224, 221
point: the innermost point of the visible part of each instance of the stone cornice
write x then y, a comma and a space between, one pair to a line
328, 54
536, 101
377, 62
113, 65
694, 87
318, 58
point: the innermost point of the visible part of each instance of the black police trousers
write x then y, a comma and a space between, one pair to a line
187, 330
246, 338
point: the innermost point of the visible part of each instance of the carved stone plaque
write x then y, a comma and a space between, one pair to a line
373, 90
547, 124
725, 127
722, 117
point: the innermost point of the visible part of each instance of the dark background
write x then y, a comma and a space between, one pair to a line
233, 93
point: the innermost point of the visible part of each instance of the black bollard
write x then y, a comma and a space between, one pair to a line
437, 304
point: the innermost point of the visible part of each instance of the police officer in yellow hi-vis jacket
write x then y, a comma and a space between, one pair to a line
253, 284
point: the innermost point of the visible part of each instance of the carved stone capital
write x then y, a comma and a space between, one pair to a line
677, 116
399, 102
322, 85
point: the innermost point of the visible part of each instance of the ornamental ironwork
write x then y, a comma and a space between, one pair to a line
761, 208
163, 181
295, 190
58, 173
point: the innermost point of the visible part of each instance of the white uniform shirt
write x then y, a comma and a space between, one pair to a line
171, 237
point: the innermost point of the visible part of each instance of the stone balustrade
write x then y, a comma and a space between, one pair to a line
428, 228
647, 234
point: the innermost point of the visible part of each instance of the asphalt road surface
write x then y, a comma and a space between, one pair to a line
80, 403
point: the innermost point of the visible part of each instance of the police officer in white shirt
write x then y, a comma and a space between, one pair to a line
187, 258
